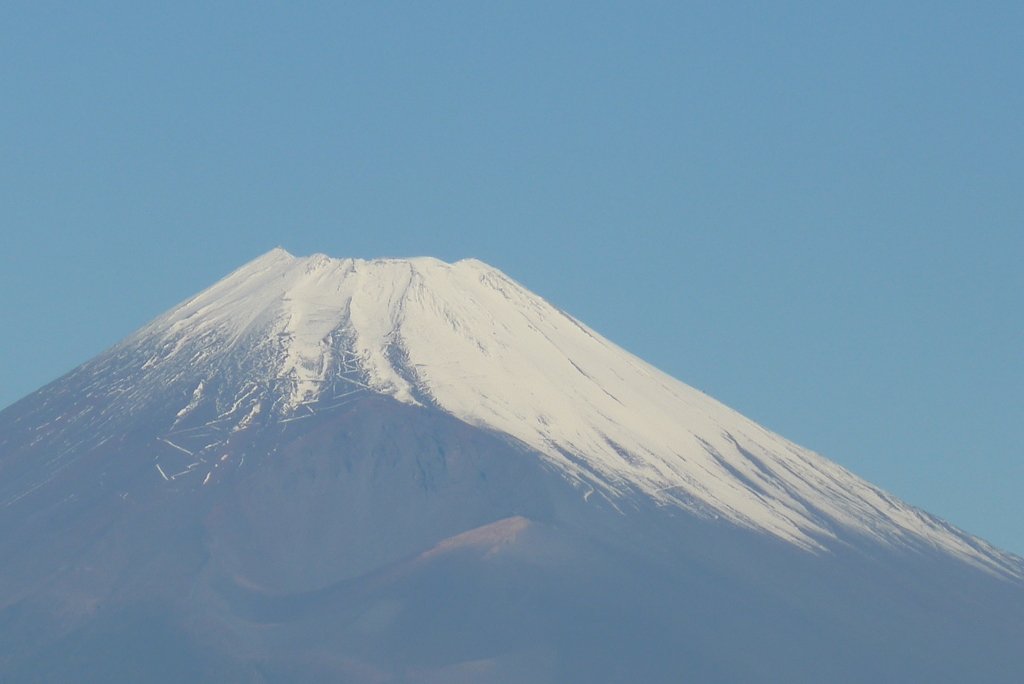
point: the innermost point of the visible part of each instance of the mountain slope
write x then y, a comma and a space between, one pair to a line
406, 470
288, 337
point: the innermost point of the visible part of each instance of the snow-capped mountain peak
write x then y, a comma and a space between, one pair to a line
289, 337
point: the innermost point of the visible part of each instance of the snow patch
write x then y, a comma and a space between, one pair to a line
468, 339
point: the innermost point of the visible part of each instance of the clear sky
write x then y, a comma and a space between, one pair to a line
812, 211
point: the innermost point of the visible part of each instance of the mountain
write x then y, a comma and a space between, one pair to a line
412, 471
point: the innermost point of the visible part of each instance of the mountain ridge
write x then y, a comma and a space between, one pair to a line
284, 337
411, 471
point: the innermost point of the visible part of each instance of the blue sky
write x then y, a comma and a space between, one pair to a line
812, 212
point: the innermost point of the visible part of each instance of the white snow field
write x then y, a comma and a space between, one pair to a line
468, 340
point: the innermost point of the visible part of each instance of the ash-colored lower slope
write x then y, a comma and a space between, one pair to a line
383, 542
